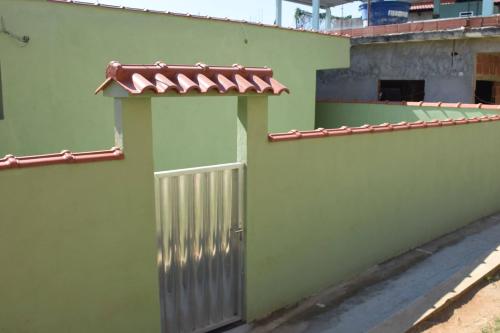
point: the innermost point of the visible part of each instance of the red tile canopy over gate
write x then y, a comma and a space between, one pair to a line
161, 78
158, 79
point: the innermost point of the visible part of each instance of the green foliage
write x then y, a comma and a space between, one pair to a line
493, 278
493, 327
299, 13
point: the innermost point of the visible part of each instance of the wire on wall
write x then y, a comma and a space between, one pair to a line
22, 39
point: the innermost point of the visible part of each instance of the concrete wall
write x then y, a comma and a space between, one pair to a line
48, 84
333, 115
420, 15
453, 10
346, 23
78, 242
446, 79
319, 211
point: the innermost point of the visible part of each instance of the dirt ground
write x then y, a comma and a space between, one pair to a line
478, 311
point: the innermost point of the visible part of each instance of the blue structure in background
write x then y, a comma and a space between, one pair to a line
386, 12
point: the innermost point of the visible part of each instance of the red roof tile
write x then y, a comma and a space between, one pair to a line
386, 127
97, 4
421, 6
64, 157
161, 78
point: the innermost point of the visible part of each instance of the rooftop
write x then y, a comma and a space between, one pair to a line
454, 28
322, 3
332, 3
145, 10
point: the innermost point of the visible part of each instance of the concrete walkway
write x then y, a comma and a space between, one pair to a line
380, 307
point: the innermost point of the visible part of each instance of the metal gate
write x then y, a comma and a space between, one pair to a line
199, 218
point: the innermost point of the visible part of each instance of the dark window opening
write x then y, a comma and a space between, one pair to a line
484, 92
401, 90
1, 98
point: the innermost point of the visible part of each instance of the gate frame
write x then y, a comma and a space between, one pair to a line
158, 175
133, 86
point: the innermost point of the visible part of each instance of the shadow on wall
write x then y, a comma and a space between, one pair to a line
333, 115
425, 115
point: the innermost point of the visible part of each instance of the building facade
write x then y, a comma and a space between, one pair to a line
434, 65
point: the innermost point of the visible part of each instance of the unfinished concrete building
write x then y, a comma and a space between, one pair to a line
456, 60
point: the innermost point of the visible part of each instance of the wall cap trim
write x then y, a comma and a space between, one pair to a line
64, 157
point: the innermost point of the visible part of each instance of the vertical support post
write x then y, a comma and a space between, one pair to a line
315, 15
134, 134
279, 12
487, 9
252, 136
435, 11
252, 125
133, 129
328, 21
368, 13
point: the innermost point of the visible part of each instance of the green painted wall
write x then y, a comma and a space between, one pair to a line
322, 210
48, 84
332, 115
78, 242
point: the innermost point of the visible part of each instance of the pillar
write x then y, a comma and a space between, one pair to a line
435, 12
487, 9
279, 11
252, 126
315, 15
134, 132
252, 136
328, 22
368, 12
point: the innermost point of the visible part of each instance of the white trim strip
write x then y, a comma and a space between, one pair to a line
179, 172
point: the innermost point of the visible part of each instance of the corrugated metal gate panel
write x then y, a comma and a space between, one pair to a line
199, 219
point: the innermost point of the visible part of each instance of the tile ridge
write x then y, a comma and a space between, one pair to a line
64, 157
160, 78
385, 127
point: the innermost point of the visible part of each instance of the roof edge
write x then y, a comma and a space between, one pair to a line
199, 17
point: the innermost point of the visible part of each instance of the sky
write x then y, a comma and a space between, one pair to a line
250, 10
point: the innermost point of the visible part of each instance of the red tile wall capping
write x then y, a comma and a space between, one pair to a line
64, 157
161, 78
424, 26
97, 4
386, 127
